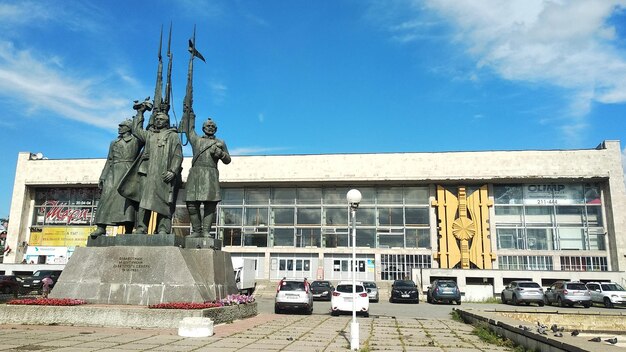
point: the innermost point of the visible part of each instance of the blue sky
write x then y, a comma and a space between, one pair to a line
314, 77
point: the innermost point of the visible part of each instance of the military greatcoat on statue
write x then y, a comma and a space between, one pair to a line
203, 180
144, 181
113, 208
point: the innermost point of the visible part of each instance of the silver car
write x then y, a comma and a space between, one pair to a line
372, 290
293, 294
568, 293
518, 292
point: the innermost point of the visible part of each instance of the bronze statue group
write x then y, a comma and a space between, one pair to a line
142, 173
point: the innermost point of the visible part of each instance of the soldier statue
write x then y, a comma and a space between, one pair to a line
203, 187
154, 178
113, 209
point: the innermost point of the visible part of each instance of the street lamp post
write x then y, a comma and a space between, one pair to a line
354, 198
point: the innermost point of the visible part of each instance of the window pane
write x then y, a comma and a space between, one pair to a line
507, 238
594, 216
390, 195
570, 216
539, 215
336, 216
283, 196
417, 238
390, 217
508, 214
309, 195
592, 194
368, 195
257, 196
571, 238
539, 239
366, 216
596, 239
283, 216
335, 238
231, 237
230, 216
335, 195
389, 241
283, 237
256, 239
308, 237
416, 195
366, 238
507, 194
309, 216
417, 216
256, 216
232, 196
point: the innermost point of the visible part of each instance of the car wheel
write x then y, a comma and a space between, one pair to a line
428, 299
309, 311
608, 303
390, 299
6, 289
277, 310
366, 314
540, 303
587, 305
458, 303
334, 313
502, 298
514, 300
560, 302
546, 301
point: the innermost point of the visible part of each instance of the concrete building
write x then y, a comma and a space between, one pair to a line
482, 218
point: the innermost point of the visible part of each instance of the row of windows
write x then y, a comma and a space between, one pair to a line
323, 195
326, 238
540, 262
551, 238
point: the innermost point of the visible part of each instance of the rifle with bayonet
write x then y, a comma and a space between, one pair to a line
158, 96
188, 102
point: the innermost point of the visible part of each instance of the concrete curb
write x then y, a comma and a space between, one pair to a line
118, 316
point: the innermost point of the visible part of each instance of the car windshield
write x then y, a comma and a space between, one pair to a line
612, 287
528, 284
292, 286
404, 283
348, 288
38, 274
320, 284
576, 286
446, 283
369, 285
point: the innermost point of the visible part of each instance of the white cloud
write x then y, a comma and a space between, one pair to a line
42, 86
566, 44
219, 92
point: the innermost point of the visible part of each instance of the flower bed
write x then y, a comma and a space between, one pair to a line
47, 302
230, 300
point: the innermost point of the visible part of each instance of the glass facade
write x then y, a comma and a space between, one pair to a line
318, 217
549, 217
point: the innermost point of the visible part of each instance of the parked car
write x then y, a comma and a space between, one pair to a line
372, 290
9, 284
343, 297
608, 293
33, 282
568, 293
443, 291
322, 290
404, 291
518, 292
293, 294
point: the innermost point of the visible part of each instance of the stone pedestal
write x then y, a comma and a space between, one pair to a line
145, 275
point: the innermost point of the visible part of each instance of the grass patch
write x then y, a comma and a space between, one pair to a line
456, 316
488, 336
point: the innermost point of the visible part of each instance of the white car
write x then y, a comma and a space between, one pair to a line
343, 296
293, 294
608, 293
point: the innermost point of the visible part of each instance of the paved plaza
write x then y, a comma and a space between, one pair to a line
264, 332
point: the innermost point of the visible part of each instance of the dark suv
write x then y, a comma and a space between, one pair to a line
443, 291
404, 291
9, 284
33, 282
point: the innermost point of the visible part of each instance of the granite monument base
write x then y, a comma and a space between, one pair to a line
146, 275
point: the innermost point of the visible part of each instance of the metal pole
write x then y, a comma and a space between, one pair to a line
354, 327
